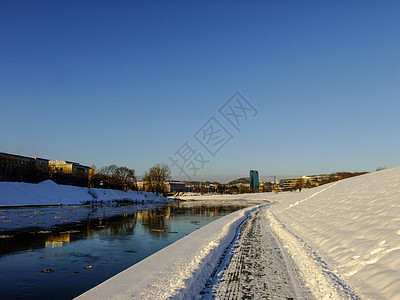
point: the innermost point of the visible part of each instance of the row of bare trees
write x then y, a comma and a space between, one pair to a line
123, 178
339, 176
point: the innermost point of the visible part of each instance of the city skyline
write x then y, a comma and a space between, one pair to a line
130, 83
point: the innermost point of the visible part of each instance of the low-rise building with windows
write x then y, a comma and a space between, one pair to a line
10, 163
67, 167
304, 181
175, 186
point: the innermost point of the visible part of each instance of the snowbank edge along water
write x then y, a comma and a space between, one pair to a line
50, 193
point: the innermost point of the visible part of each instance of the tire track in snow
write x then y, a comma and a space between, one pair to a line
259, 267
322, 282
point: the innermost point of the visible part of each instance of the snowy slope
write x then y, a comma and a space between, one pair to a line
353, 226
48, 193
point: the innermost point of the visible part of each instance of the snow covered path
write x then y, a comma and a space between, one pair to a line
259, 268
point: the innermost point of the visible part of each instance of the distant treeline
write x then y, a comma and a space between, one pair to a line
324, 179
123, 178
244, 180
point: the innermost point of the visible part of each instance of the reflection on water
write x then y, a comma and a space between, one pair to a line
85, 245
57, 239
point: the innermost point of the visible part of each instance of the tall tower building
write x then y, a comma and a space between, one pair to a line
254, 181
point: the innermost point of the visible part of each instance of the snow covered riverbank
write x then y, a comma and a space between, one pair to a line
343, 239
50, 193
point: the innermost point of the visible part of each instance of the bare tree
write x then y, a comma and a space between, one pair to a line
108, 170
108, 173
125, 177
154, 179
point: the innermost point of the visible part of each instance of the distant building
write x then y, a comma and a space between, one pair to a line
254, 181
140, 185
171, 186
175, 186
9, 163
266, 186
304, 181
68, 167
33, 169
288, 182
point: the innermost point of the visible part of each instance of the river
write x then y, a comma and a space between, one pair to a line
60, 252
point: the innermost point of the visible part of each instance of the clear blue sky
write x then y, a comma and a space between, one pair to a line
129, 82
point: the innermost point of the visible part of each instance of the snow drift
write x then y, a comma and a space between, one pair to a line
350, 229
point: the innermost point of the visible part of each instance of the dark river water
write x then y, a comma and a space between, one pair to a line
61, 252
